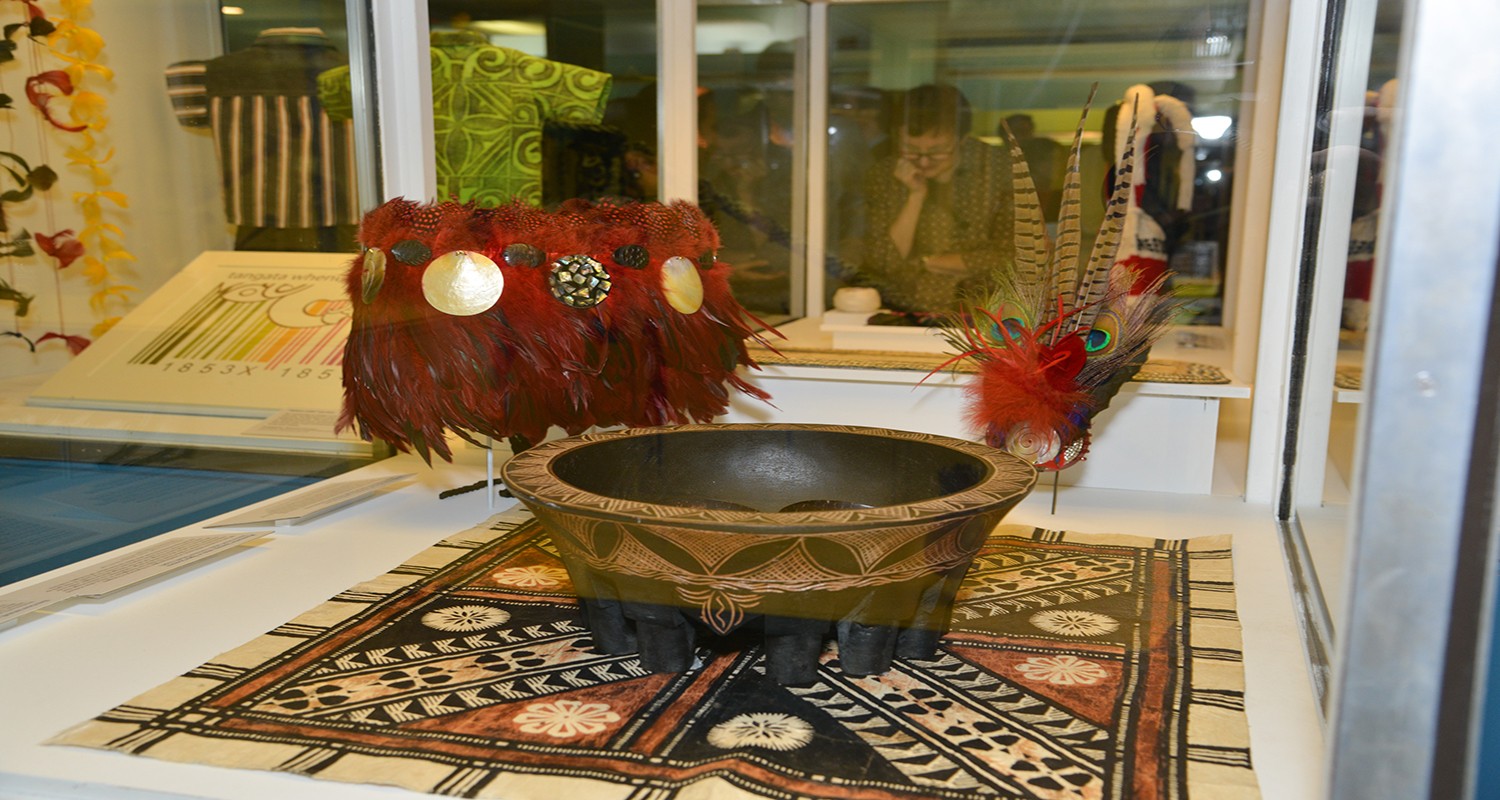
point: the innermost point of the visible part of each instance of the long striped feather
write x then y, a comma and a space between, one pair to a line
1095, 284
1069, 222
1031, 244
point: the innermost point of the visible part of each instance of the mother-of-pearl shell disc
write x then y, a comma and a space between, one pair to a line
681, 284
372, 274
462, 283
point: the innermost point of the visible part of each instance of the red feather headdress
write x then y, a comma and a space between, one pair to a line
503, 322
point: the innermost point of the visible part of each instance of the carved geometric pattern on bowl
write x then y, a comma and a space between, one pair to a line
794, 564
710, 548
873, 545
794, 570
1011, 478
722, 610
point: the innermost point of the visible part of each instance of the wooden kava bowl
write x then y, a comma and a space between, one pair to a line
675, 532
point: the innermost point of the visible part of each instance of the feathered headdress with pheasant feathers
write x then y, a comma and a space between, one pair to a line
1055, 339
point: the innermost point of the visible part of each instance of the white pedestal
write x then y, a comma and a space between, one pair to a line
1158, 437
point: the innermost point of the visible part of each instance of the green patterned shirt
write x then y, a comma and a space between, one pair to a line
489, 106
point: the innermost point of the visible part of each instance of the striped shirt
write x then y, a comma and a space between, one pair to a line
185, 89
284, 163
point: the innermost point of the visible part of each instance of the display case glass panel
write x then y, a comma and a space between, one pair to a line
1350, 162
1031, 65
173, 277
752, 77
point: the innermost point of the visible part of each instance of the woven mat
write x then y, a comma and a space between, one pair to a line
1080, 666
1155, 370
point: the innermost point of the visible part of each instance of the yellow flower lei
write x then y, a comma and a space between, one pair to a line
80, 48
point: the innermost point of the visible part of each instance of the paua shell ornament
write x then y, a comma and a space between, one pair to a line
520, 254
372, 274
411, 252
681, 284
1036, 447
462, 283
579, 281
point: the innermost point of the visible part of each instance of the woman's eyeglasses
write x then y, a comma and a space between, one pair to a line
927, 155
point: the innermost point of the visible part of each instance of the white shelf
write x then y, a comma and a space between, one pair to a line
1153, 437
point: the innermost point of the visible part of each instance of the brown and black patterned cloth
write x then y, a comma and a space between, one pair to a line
1079, 666
1153, 371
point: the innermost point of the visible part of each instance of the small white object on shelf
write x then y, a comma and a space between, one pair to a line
857, 300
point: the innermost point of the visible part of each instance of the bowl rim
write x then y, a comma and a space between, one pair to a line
1009, 478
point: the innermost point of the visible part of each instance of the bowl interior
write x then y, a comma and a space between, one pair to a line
769, 470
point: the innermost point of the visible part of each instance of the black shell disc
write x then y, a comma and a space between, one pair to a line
411, 252
633, 256
520, 254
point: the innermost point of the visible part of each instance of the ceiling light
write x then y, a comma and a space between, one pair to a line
507, 27
1212, 127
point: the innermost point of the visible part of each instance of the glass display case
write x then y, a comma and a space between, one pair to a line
179, 289
183, 286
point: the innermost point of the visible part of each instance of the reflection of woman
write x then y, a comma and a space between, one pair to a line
939, 208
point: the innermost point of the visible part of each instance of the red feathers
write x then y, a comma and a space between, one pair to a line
1030, 383
1027, 397
531, 361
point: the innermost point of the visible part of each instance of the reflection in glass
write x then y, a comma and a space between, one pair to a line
1380, 102
938, 217
287, 167
1370, 114
748, 148
1030, 65
541, 104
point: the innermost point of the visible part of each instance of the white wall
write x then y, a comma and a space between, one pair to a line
169, 173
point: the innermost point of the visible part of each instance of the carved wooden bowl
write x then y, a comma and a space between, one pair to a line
675, 532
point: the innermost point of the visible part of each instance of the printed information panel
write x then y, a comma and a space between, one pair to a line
233, 334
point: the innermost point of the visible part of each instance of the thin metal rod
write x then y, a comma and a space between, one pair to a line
1054, 492
489, 472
